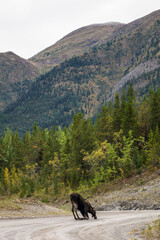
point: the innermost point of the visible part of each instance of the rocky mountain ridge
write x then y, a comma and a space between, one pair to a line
85, 82
74, 44
16, 74
142, 68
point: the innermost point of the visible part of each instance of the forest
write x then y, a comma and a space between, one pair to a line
123, 141
83, 83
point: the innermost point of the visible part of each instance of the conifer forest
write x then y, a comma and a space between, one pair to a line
122, 141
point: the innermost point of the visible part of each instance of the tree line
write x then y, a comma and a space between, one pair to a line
123, 141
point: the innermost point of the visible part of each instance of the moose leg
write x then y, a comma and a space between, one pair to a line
74, 211
85, 215
78, 218
75, 214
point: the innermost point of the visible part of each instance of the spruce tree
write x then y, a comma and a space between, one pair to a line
82, 140
103, 125
116, 113
155, 109
122, 108
144, 118
130, 114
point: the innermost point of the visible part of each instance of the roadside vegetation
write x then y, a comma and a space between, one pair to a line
152, 232
122, 142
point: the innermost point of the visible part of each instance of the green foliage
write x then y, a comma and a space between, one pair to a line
117, 113
129, 119
83, 83
126, 161
104, 124
152, 231
84, 154
154, 148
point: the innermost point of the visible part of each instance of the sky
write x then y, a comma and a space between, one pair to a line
29, 26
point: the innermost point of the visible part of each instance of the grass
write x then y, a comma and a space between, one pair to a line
10, 204
12, 207
107, 193
152, 232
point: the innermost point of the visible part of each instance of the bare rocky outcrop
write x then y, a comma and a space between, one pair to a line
141, 194
128, 205
148, 66
16, 76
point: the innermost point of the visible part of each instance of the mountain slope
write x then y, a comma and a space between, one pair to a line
74, 44
86, 82
16, 74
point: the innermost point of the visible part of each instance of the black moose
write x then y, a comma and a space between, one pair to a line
81, 204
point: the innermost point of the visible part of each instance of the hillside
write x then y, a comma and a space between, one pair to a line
16, 75
74, 44
140, 192
114, 162
84, 83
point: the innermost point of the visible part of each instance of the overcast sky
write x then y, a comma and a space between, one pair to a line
29, 26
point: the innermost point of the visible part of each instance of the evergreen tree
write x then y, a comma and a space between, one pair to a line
130, 92
155, 109
153, 149
116, 113
103, 125
122, 142
7, 151
144, 118
130, 121
82, 140
122, 108
18, 151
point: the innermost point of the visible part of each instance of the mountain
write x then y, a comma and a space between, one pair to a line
16, 74
85, 82
74, 44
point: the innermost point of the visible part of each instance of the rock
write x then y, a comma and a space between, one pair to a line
127, 205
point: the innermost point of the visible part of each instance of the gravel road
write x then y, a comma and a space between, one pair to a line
109, 225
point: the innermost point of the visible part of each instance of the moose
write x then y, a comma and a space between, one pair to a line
81, 204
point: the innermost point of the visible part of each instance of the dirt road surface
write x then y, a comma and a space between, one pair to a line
109, 226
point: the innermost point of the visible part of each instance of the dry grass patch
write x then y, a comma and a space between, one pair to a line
152, 232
